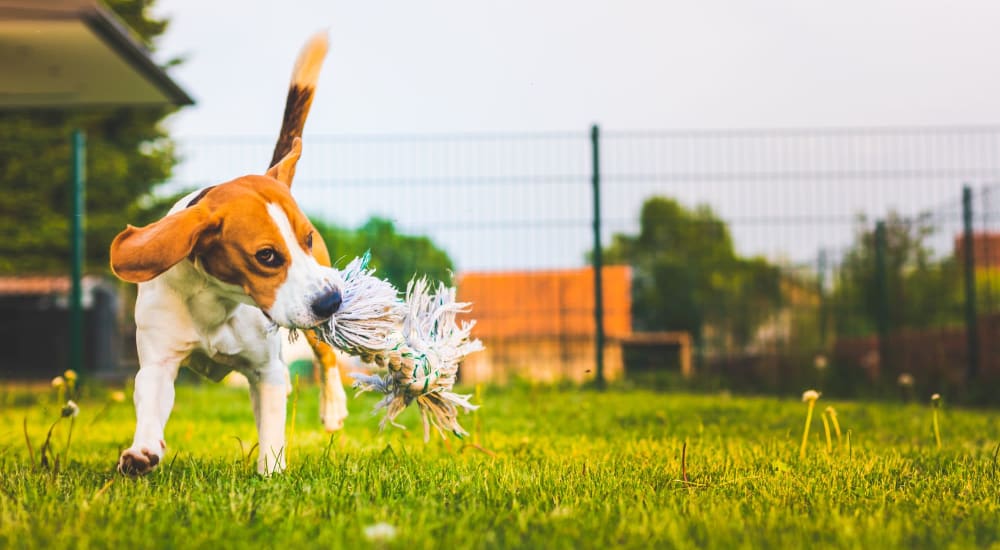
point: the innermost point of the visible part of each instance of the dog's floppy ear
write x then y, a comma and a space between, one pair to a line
140, 253
284, 170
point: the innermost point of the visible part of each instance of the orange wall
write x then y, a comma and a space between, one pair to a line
546, 303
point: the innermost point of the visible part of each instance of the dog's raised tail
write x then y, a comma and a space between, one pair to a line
300, 93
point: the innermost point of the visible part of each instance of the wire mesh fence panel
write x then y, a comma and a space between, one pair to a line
492, 201
760, 244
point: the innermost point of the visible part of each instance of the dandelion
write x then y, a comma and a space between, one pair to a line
59, 383
561, 512
380, 532
826, 430
935, 405
832, 413
905, 382
810, 397
71, 409
70, 376
118, 396
820, 362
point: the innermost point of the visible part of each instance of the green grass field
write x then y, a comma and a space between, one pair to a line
565, 469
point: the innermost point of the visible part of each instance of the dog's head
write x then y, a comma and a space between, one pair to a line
248, 233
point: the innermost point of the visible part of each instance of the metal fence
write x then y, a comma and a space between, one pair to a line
866, 227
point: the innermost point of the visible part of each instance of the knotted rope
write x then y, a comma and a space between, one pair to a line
418, 341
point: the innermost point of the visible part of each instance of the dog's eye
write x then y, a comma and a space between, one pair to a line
269, 257
309, 241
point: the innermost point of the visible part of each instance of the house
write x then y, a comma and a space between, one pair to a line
35, 326
66, 55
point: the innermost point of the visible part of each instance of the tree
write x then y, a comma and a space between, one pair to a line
923, 291
128, 153
395, 256
687, 275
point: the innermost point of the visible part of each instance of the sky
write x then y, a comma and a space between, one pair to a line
435, 66
472, 65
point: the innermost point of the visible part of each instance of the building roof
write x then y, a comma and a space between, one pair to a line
76, 53
985, 249
41, 285
557, 303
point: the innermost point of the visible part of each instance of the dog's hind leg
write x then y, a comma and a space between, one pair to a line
333, 398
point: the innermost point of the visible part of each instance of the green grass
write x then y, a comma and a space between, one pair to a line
573, 469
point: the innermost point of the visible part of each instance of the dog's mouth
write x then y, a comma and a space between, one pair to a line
309, 301
318, 324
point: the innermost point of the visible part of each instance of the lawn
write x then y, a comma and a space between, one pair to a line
557, 469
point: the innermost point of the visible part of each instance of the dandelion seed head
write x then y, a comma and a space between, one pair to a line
562, 512
810, 395
71, 409
820, 362
380, 532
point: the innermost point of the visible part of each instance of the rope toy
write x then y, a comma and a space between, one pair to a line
418, 341
370, 311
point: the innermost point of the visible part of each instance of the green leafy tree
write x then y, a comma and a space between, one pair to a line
395, 256
687, 275
128, 153
923, 291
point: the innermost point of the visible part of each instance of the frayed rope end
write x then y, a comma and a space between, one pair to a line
422, 361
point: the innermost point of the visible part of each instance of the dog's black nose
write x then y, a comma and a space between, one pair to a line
327, 304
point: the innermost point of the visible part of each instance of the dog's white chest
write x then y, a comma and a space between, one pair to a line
210, 313
185, 315
223, 340
239, 342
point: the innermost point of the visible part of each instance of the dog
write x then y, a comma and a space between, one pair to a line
216, 276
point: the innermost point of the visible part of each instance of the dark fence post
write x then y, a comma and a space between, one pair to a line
77, 250
595, 139
882, 298
821, 267
969, 262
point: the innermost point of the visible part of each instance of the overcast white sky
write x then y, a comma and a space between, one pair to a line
432, 66
472, 65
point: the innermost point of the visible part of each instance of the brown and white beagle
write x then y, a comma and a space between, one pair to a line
215, 275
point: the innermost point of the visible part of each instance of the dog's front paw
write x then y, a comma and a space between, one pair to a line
334, 415
140, 460
333, 401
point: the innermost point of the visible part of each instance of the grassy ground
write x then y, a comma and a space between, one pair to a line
566, 470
